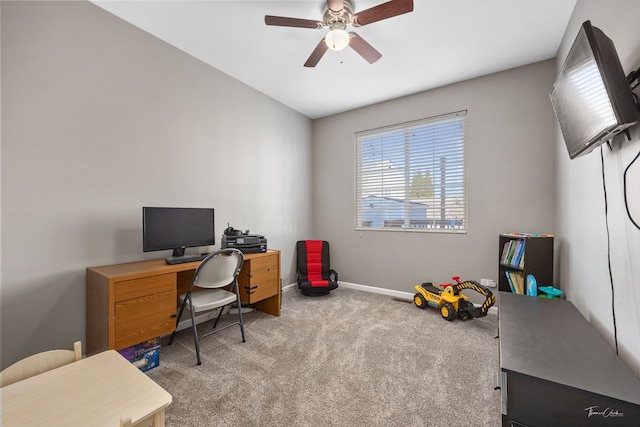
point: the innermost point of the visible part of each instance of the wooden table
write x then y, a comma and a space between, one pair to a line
96, 391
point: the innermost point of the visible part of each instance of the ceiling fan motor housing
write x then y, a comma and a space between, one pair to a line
339, 18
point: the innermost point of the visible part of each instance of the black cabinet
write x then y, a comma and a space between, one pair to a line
556, 370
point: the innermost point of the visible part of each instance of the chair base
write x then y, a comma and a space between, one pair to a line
314, 293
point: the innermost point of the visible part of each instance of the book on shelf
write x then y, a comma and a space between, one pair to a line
509, 281
521, 260
512, 250
516, 282
513, 253
517, 253
505, 252
520, 286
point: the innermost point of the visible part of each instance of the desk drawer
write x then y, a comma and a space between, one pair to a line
259, 279
143, 318
263, 263
136, 288
261, 285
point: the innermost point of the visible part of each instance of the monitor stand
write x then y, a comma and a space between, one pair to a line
178, 257
178, 252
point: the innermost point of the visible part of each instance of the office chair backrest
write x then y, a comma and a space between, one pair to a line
39, 363
219, 269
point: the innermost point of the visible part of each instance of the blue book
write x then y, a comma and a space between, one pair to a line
507, 273
518, 254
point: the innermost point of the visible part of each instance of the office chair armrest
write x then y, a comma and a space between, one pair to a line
333, 273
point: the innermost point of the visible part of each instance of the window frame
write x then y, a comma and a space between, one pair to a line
409, 215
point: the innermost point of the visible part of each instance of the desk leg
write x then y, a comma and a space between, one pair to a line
269, 305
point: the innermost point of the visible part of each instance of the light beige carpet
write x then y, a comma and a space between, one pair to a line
352, 358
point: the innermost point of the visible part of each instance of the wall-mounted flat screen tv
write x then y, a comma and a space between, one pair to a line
591, 97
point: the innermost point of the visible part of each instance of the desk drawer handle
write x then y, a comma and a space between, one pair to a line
250, 289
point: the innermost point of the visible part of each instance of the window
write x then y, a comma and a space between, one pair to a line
410, 176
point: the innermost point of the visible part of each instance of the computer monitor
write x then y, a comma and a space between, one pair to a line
166, 228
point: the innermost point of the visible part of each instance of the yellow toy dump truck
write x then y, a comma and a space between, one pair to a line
451, 301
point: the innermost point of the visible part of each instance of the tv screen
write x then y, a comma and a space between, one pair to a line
591, 97
176, 228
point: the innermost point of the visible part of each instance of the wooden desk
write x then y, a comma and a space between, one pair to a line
96, 391
134, 302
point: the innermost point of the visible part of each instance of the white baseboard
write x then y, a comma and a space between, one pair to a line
289, 287
390, 292
408, 296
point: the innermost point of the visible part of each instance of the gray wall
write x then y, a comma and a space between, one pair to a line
510, 178
100, 119
581, 229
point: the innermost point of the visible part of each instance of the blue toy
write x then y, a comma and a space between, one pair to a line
550, 292
532, 286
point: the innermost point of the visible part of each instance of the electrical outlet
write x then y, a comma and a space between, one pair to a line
488, 283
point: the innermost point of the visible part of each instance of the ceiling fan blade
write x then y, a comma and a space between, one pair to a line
335, 5
365, 50
382, 11
317, 54
282, 21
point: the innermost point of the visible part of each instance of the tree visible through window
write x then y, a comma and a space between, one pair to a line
410, 176
421, 186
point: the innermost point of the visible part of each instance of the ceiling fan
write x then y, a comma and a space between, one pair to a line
337, 15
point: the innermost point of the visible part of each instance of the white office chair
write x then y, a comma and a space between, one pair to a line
39, 363
215, 272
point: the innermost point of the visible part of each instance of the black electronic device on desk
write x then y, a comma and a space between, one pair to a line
243, 241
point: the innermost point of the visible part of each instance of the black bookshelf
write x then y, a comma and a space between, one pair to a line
536, 258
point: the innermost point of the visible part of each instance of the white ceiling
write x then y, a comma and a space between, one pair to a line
439, 43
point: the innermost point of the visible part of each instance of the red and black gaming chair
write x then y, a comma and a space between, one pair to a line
315, 277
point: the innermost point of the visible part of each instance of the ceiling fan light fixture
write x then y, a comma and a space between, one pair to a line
337, 39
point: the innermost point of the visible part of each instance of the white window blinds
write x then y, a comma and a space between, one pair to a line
411, 176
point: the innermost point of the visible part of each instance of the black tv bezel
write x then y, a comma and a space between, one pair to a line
178, 249
619, 93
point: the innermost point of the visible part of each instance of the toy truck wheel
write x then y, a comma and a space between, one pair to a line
419, 301
447, 311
